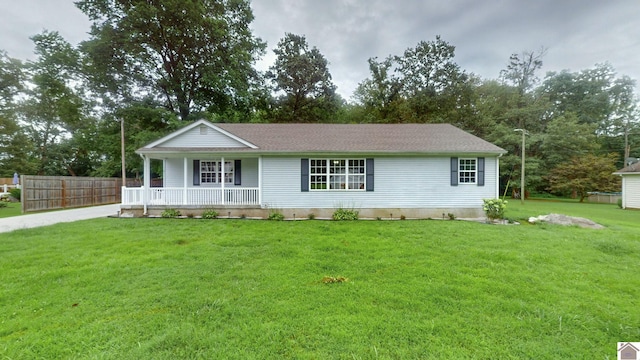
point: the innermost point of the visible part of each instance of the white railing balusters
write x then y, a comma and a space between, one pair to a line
194, 196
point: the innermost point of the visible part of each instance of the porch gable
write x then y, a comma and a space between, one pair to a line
201, 134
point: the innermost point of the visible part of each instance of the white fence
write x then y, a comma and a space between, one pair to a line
191, 196
5, 188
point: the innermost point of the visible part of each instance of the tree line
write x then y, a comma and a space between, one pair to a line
158, 65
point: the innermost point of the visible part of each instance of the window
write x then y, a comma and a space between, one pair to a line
467, 171
211, 172
337, 174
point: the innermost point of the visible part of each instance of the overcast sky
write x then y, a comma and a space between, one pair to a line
576, 33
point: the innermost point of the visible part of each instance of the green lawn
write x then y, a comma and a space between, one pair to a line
12, 209
247, 289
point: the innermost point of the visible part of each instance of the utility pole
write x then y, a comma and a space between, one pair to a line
524, 132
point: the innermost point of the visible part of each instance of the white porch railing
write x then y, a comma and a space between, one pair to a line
191, 196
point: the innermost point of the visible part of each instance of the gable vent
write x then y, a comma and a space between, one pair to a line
204, 130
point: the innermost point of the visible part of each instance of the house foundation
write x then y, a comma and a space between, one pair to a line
304, 213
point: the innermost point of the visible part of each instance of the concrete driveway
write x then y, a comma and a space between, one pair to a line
54, 217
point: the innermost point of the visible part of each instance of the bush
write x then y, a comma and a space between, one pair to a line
15, 192
494, 208
620, 203
169, 213
3, 204
345, 214
311, 216
276, 216
210, 214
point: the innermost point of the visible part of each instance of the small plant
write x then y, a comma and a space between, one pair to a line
209, 214
333, 280
311, 216
15, 193
451, 216
3, 204
620, 203
345, 214
378, 218
402, 217
170, 213
494, 208
276, 216
190, 215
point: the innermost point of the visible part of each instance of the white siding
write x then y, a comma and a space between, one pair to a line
194, 138
408, 182
631, 191
174, 175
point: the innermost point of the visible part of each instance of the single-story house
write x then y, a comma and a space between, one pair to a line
630, 186
381, 170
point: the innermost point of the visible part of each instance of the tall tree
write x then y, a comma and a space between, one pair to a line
302, 75
193, 55
15, 146
53, 110
584, 174
422, 85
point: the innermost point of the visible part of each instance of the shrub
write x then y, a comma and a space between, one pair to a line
276, 216
345, 214
402, 217
311, 216
620, 203
494, 208
451, 216
169, 213
3, 204
15, 192
209, 214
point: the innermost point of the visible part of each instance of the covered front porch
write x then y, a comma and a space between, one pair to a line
199, 181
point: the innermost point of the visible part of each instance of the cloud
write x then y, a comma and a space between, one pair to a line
577, 33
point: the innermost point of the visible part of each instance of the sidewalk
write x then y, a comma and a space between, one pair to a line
54, 217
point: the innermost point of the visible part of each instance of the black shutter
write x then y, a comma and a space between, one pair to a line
196, 172
237, 176
454, 171
304, 175
369, 170
480, 171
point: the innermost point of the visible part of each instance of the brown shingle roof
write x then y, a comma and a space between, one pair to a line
354, 138
633, 168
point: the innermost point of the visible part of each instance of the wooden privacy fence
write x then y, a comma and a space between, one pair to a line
61, 192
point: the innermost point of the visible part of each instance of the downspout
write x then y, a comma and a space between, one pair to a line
498, 176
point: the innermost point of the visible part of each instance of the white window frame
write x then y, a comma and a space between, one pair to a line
217, 175
329, 171
465, 174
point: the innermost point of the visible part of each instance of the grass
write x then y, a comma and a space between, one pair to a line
12, 209
243, 289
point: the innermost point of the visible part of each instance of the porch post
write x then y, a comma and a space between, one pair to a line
185, 181
222, 180
147, 182
260, 180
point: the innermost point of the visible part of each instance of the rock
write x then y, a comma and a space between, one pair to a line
559, 219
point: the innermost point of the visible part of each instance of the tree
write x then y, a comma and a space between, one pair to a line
585, 174
565, 138
15, 146
422, 85
381, 92
302, 74
193, 55
53, 112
